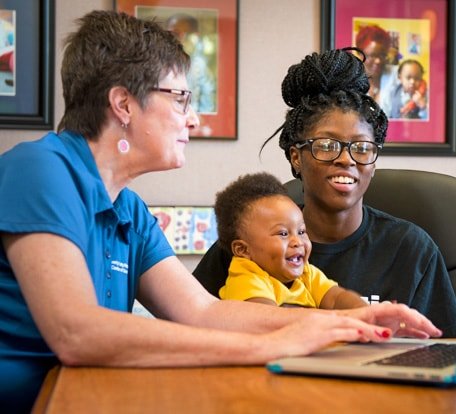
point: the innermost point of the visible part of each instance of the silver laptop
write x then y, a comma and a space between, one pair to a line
403, 360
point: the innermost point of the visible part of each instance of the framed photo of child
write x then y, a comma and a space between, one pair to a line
409, 48
208, 31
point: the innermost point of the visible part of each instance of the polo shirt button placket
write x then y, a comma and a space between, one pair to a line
108, 276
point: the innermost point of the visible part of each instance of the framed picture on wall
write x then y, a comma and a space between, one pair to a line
208, 31
26, 64
409, 49
189, 230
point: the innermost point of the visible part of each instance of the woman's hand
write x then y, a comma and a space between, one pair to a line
318, 330
402, 320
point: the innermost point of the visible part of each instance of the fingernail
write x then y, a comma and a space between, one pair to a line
360, 331
386, 334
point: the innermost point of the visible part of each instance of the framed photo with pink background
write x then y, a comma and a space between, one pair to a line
409, 47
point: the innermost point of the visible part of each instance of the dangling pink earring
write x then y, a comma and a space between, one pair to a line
123, 145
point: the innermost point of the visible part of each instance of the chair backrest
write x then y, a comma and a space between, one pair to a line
425, 198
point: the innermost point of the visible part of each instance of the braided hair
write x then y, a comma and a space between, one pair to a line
323, 82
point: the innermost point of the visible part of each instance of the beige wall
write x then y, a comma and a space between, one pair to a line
272, 36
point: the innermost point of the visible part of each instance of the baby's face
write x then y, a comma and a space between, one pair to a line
275, 233
410, 77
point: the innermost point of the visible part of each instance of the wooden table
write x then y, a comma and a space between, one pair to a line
228, 390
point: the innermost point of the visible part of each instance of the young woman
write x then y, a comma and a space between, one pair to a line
332, 136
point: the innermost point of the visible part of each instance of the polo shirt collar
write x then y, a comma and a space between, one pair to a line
78, 145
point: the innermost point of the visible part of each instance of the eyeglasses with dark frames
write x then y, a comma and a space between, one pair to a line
185, 100
329, 149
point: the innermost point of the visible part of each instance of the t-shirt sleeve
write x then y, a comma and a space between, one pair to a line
434, 295
155, 245
39, 194
247, 286
317, 283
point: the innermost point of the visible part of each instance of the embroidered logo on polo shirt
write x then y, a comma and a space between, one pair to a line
119, 266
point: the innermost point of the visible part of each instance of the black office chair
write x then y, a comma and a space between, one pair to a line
425, 198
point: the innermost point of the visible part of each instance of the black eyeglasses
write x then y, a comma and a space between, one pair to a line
184, 100
329, 149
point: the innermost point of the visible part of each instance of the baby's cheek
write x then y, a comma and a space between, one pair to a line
308, 248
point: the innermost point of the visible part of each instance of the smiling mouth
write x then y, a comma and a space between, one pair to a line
296, 259
343, 180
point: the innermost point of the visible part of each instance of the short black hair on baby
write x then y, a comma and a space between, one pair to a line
410, 62
234, 201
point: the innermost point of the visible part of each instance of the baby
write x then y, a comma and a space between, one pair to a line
408, 99
265, 231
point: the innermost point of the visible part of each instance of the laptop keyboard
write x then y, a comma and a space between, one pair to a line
433, 356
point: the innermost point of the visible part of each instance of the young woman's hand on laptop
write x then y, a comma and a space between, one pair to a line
402, 320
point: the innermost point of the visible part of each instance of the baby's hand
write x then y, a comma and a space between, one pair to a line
419, 99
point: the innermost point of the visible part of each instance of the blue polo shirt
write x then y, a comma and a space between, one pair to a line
53, 186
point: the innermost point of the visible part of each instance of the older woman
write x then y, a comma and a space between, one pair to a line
78, 246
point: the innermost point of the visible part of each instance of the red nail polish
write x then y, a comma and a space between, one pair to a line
360, 331
386, 334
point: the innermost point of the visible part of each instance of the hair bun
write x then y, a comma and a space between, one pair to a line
332, 70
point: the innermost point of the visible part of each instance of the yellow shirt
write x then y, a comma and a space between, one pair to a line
247, 280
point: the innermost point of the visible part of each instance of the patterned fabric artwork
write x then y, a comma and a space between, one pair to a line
189, 230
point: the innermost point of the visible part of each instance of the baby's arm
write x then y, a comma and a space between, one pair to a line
340, 298
419, 99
